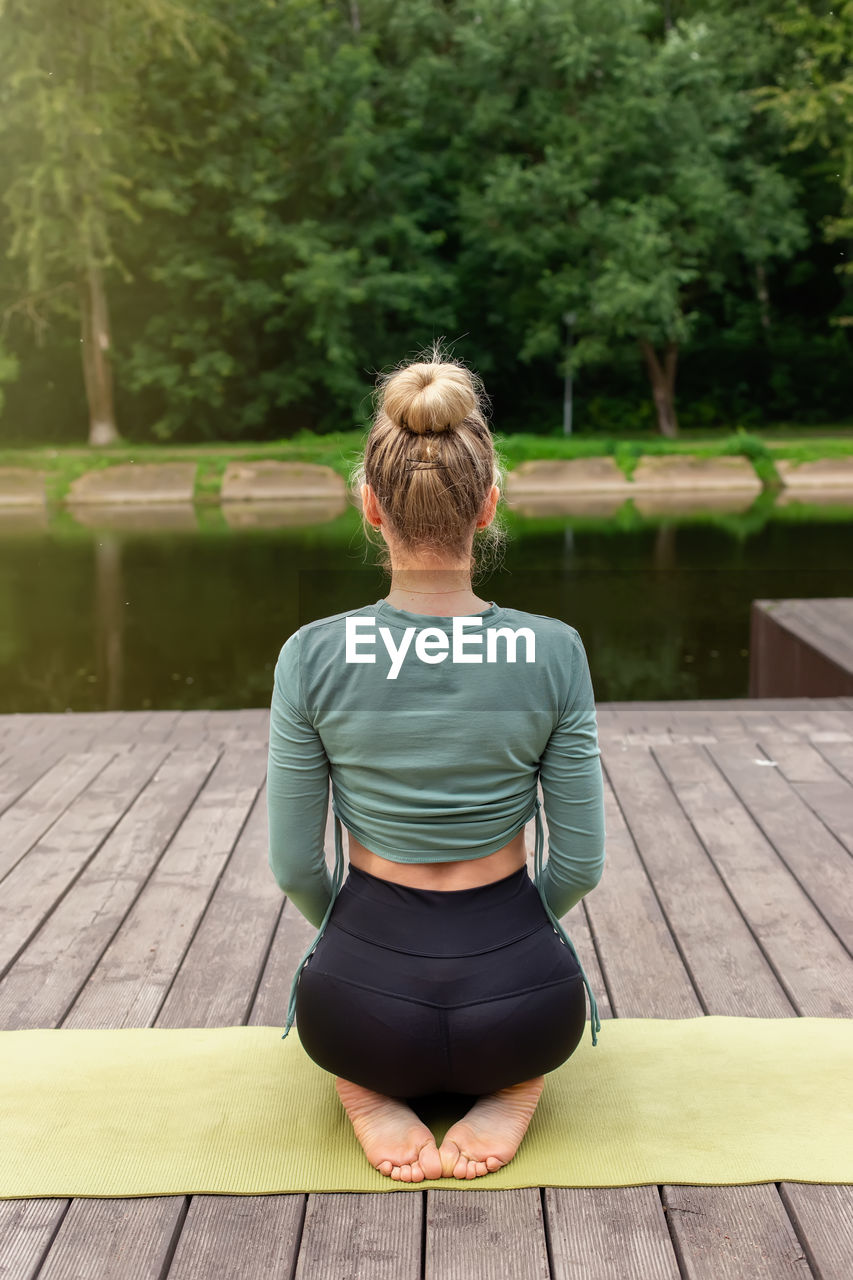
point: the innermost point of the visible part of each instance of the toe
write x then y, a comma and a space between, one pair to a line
494, 1163
385, 1168
481, 1168
429, 1160
448, 1154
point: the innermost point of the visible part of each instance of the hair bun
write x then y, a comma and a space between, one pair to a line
429, 397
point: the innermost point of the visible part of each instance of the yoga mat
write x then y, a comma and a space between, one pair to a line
238, 1110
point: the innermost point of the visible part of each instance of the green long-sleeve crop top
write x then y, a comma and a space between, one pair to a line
434, 733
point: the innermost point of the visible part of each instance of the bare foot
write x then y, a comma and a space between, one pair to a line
392, 1137
488, 1137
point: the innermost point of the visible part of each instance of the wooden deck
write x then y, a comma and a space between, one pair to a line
135, 892
801, 648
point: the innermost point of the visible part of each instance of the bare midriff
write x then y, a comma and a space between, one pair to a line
461, 874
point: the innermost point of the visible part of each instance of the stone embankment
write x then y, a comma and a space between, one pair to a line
659, 482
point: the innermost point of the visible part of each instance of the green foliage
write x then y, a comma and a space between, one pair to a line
284, 201
648, 192
814, 96
69, 89
747, 444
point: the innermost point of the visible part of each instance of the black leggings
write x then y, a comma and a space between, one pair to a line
420, 991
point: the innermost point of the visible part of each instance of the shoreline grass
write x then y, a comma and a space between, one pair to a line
341, 451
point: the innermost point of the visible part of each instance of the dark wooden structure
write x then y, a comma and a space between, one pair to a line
134, 891
801, 648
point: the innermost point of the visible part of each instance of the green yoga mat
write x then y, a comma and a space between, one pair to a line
238, 1110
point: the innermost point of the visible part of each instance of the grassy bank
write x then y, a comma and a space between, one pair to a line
340, 450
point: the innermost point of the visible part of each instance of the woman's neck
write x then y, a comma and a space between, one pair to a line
434, 591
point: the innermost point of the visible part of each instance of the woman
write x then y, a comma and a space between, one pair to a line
439, 965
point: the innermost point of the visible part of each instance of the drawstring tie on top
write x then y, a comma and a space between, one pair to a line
337, 881
538, 868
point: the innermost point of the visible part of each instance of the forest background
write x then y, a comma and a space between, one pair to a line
220, 218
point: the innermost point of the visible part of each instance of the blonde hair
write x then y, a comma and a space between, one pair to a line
430, 458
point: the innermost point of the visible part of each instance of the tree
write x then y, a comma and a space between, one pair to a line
68, 108
642, 197
814, 97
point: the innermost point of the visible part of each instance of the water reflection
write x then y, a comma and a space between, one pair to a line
279, 515
183, 607
109, 619
605, 505
154, 517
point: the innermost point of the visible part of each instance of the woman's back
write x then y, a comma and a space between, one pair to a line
434, 731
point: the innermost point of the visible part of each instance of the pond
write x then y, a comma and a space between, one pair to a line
191, 611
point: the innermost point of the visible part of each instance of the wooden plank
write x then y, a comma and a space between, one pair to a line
808, 959
830, 619
783, 922
806, 761
715, 944
159, 724
121, 1238
840, 757
124, 729
219, 973
810, 719
37, 809
48, 974
44, 875
216, 988
292, 938
238, 1238
626, 944
130, 981
26, 1229
719, 1235
822, 866
724, 726
191, 727
624, 906
485, 1235
828, 718
758, 721
362, 1237
608, 1233
823, 1217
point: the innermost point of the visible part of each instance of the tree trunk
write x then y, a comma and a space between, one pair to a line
763, 295
662, 378
95, 334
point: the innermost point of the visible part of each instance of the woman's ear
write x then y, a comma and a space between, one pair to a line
489, 507
370, 506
